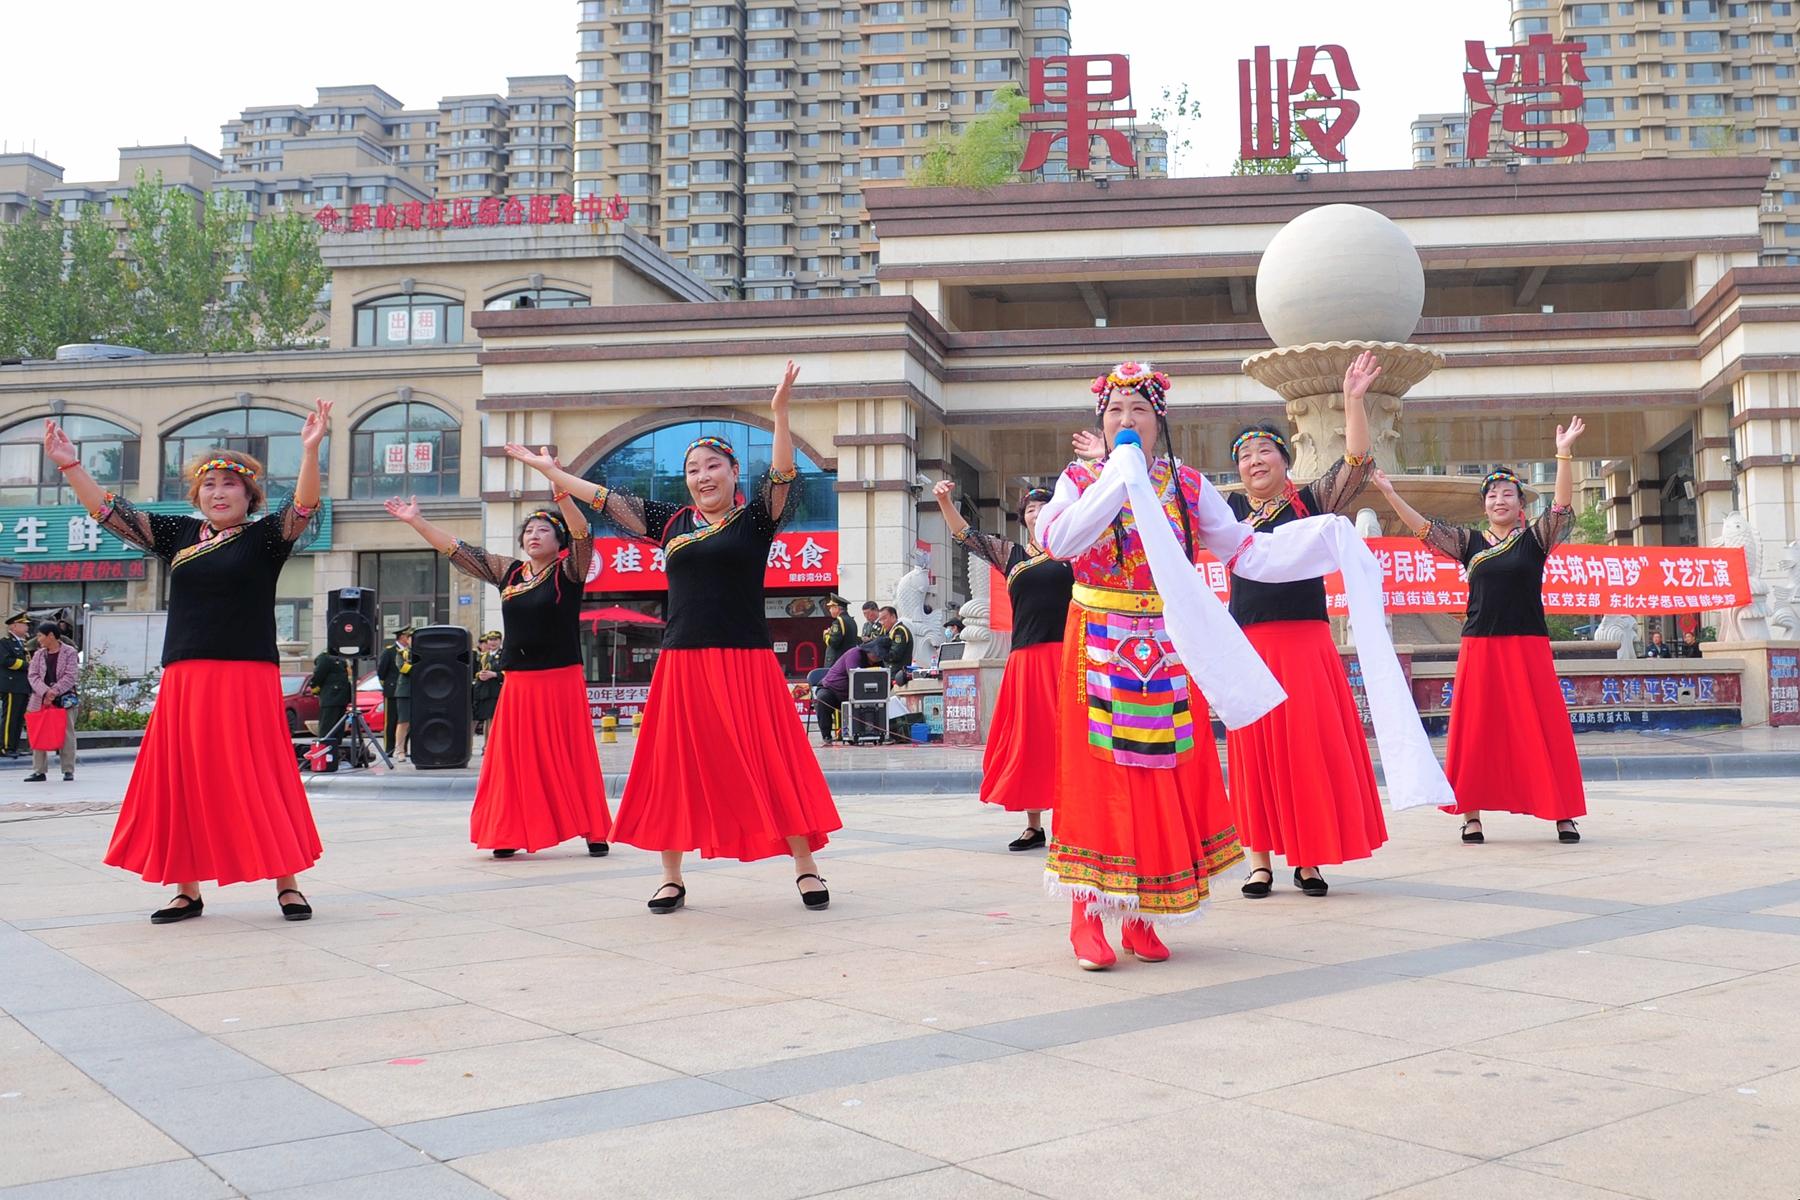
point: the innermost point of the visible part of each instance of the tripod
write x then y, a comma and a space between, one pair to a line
362, 744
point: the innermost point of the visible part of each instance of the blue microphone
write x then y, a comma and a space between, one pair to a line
1127, 437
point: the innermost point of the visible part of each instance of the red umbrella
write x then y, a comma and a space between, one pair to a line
618, 616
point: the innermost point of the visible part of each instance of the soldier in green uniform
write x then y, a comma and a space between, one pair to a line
394, 665
900, 658
488, 679
15, 689
871, 626
840, 635
332, 680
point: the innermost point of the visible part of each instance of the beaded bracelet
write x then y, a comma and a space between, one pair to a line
1357, 460
305, 512
787, 476
71, 466
1423, 531
601, 492
558, 497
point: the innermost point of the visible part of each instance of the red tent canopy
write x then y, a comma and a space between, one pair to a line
618, 616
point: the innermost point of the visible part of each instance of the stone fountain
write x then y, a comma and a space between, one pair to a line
1336, 281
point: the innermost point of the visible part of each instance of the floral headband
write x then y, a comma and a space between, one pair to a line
1138, 377
712, 443
555, 519
223, 464
1250, 435
1503, 475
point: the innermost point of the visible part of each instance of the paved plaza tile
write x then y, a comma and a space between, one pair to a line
1619, 1018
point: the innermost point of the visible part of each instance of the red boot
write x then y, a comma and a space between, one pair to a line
1140, 939
1088, 936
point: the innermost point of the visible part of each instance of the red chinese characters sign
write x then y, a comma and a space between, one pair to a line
470, 213
796, 559
1272, 99
86, 571
1531, 84
1083, 117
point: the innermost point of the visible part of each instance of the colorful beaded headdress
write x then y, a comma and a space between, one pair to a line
712, 443
1503, 475
1138, 377
1032, 496
554, 518
1250, 435
224, 464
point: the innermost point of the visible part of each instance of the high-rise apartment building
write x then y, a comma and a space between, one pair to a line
358, 144
743, 132
1679, 79
1439, 139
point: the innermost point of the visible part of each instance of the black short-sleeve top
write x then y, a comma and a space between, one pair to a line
221, 583
1506, 575
1040, 587
540, 610
1254, 602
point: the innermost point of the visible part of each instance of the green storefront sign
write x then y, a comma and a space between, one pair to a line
61, 543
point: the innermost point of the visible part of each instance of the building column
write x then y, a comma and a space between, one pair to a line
877, 525
1765, 432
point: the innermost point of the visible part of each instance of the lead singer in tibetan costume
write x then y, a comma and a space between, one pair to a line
1302, 785
215, 792
1142, 820
1018, 769
1511, 745
723, 765
540, 779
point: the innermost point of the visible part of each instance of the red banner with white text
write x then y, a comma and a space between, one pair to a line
806, 558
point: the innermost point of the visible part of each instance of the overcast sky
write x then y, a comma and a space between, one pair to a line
77, 87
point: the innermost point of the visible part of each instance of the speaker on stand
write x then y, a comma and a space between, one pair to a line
443, 717
350, 634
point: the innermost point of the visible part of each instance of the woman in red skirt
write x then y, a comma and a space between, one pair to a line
540, 779
1506, 685
1018, 769
1302, 784
723, 765
216, 791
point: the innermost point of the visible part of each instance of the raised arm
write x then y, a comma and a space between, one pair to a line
470, 560
1338, 487
781, 452
996, 550
306, 488
635, 516
1553, 525
124, 520
1450, 539
1075, 519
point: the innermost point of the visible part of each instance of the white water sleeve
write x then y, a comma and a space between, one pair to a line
1074, 520
1317, 546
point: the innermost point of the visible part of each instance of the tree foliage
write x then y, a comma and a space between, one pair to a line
1303, 154
986, 153
168, 274
1177, 112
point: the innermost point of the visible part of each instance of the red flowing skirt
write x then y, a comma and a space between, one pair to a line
1302, 784
1018, 769
1512, 748
723, 765
540, 772
1139, 841
216, 792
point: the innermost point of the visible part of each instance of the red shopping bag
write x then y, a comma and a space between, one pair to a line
47, 727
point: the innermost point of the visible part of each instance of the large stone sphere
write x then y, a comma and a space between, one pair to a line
1340, 273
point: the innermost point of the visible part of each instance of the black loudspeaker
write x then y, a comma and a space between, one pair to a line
349, 627
869, 683
442, 717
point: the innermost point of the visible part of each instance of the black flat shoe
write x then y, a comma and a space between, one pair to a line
598, 849
178, 912
1256, 888
294, 912
68, 777
1571, 834
1472, 839
504, 853
1316, 886
1031, 839
816, 900
36, 778
661, 904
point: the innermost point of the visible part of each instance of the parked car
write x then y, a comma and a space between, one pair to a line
302, 703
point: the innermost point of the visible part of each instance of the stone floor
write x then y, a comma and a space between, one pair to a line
1618, 1018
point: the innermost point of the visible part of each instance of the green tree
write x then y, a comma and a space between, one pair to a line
30, 277
986, 154
95, 302
1590, 525
1176, 113
282, 284
1303, 155
180, 254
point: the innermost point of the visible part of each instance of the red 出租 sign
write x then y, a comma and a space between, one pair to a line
803, 558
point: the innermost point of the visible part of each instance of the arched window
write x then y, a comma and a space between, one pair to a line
651, 466
269, 434
108, 451
406, 449
416, 320
537, 298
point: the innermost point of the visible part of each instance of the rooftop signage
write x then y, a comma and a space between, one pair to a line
471, 213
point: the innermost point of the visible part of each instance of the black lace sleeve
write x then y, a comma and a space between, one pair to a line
632, 515
287, 528
159, 533
1451, 539
768, 524
1553, 526
1341, 483
581, 553
996, 550
490, 568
